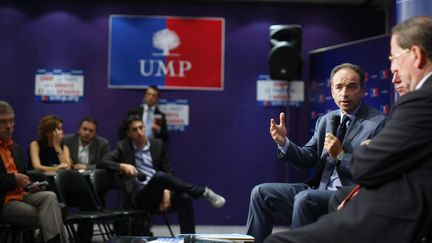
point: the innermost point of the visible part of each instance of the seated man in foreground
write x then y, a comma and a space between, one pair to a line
394, 169
329, 150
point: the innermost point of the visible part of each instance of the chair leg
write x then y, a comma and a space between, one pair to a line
73, 235
168, 224
104, 231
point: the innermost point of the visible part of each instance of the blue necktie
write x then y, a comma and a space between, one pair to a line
144, 164
340, 134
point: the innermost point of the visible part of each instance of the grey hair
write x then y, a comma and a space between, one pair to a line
6, 108
415, 31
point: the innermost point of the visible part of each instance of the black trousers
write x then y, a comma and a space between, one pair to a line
150, 197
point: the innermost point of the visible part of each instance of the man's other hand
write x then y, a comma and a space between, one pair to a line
21, 180
128, 169
278, 131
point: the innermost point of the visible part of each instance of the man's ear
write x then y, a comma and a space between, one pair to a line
128, 133
419, 56
363, 89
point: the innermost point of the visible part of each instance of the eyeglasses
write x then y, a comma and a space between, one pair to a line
5, 122
392, 58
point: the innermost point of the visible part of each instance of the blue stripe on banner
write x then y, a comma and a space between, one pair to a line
131, 47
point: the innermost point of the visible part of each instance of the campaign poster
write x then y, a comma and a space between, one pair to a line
57, 85
176, 113
180, 53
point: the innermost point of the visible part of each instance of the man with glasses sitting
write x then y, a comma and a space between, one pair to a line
19, 204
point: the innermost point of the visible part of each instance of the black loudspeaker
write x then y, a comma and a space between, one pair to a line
285, 60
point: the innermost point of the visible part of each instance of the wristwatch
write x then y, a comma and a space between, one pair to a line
340, 155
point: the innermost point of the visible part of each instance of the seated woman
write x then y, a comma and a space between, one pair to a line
48, 154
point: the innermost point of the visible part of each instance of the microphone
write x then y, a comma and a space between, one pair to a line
335, 120
141, 176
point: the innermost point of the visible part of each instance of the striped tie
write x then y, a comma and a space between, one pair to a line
144, 164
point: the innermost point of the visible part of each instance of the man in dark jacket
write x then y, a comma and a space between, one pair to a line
86, 147
148, 179
153, 118
329, 150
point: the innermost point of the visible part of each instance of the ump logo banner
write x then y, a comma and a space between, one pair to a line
170, 52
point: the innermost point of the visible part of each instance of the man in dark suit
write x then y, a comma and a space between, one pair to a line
340, 195
85, 147
148, 179
32, 208
302, 203
394, 170
153, 118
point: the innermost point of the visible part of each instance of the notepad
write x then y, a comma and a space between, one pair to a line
208, 238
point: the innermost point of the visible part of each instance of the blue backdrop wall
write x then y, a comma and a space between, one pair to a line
227, 145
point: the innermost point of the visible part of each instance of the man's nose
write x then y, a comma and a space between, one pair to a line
344, 91
393, 68
395, 78
141, 131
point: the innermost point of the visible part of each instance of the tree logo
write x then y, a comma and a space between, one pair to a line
165, 40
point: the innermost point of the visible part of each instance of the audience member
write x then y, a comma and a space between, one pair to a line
302, 203
393, 170
48, 153
153, 118
148, 179
35, 207
85, 146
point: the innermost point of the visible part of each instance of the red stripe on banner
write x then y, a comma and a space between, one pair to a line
197, 61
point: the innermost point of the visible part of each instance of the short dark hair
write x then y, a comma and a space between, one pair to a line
132, 118
415, 31
355, 68
155, 88
89, 119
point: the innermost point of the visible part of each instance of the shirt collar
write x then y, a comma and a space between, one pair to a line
8, 144
352, 114
148, 108
80, 144
146, 147
423, 80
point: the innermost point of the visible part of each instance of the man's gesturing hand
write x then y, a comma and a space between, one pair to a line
278, 131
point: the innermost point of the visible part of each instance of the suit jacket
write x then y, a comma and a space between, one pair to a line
7, 180
366, 124
98, 148
124, 153
162, 134
395, 172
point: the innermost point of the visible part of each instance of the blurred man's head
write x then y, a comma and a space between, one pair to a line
87, 130
7, 120
347, 86
151, 96
411, 50
136, 130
